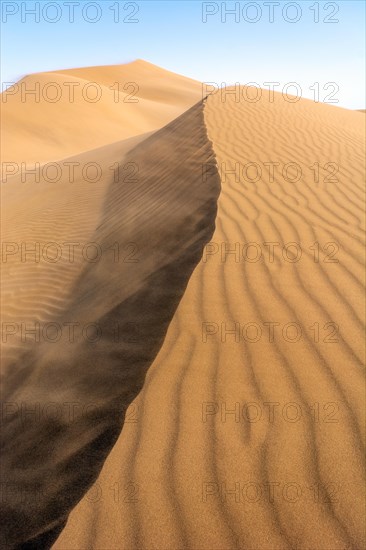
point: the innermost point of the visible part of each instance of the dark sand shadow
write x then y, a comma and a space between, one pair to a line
168, 212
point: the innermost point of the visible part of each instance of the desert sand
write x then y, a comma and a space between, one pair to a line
77, 110
229, 412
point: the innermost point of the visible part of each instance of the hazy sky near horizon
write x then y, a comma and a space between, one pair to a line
305, 42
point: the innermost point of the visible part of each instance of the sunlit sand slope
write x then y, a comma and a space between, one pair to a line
254, 438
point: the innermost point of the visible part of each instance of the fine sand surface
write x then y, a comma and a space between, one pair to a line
238, 439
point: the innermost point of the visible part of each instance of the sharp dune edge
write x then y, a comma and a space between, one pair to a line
169, 481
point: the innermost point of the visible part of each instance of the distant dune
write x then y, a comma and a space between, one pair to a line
248, 431
81, 109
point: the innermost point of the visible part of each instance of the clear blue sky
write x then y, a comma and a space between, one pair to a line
173, 35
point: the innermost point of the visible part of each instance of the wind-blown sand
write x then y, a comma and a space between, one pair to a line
185, 472
62, 202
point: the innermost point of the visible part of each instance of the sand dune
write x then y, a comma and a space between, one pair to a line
82, 109
154, 83
248, 430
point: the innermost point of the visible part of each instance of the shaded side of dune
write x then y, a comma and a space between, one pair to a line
168, 213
